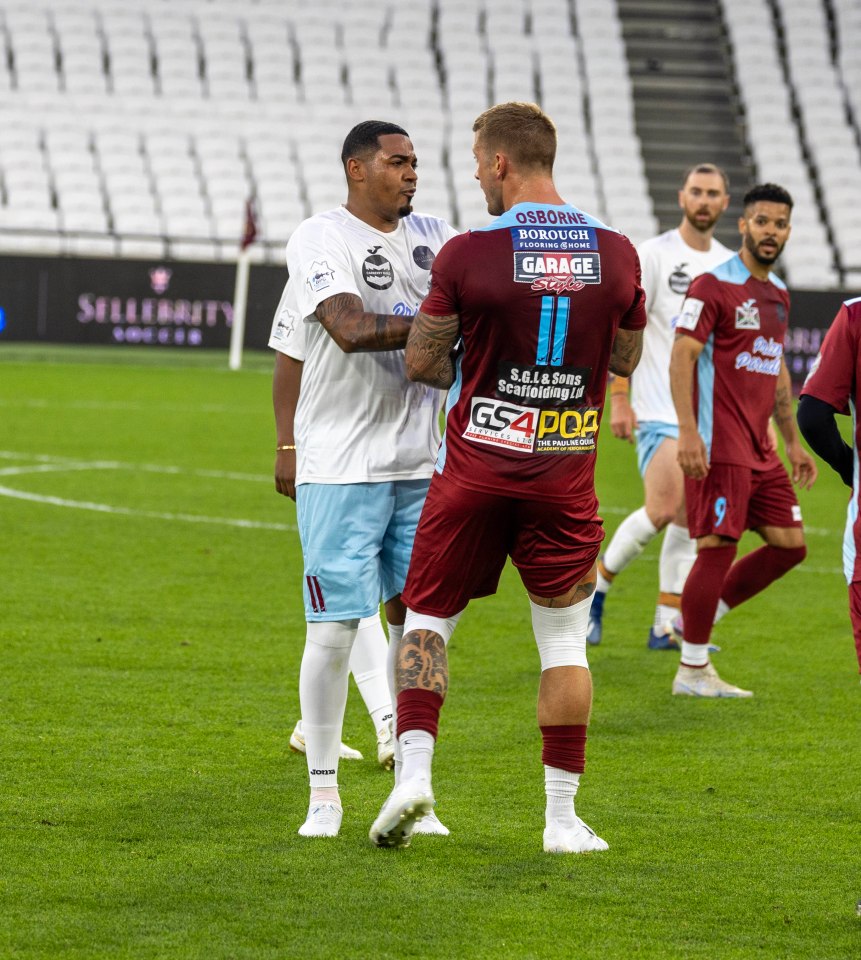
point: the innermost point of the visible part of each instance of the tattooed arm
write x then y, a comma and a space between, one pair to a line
804, 469
429, 349
356, 331
625, 355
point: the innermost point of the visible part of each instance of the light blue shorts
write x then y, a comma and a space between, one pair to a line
356, 542
650, 435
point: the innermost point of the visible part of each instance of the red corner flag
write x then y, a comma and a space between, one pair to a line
249, 233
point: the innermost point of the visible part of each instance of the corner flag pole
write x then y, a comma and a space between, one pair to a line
240, 290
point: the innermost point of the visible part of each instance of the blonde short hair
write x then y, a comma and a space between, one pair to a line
523, 131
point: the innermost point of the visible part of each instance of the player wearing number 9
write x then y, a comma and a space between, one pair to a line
728, 376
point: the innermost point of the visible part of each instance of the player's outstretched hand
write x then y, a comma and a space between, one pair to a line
804, 471
692, 455
623, 420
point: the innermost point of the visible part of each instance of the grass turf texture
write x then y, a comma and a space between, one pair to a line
150, 803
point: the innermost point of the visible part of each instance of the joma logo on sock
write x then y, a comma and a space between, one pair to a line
323, 772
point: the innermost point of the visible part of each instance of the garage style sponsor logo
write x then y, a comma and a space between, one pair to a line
514, 427
580, 267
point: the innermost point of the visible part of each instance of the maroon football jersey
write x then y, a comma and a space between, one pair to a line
540, 293
836, 379
742, 322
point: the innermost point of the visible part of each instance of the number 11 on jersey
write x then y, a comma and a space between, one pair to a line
552, 331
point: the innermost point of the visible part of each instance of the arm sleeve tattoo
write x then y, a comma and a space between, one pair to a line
429, 349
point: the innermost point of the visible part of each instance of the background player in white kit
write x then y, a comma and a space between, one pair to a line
669, 263
366, 438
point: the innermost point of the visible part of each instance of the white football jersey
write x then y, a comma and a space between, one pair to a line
669, 265
359, 419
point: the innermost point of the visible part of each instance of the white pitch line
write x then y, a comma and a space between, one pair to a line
48, 463
148, 514
124, 406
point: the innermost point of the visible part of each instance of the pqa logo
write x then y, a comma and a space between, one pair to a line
567, 431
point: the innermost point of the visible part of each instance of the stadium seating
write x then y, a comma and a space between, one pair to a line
141, 127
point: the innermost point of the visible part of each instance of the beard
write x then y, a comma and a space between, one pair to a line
405, 209
766, 259
702, 225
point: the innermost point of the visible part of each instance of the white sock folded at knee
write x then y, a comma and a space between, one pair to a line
629, 541
323, 679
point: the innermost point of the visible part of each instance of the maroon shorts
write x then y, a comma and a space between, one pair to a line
465, 536
733, 499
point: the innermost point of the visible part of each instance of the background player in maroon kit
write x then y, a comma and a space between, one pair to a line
728, 375
545, 299
834, 386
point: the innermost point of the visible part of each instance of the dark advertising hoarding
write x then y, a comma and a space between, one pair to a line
151, 303
189, 304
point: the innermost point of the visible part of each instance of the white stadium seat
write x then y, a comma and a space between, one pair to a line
121, 112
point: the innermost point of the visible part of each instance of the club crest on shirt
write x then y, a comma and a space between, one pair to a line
747, 316
320, 276
378, 272
679, 281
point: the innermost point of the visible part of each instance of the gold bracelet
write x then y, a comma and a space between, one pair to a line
285, 446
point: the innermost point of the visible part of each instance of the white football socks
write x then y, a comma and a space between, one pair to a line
396, 633
368, 666
417, 748
627, 543
323, 679
678, 552
560, 788
694, 654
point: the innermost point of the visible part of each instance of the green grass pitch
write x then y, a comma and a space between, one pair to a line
151, 637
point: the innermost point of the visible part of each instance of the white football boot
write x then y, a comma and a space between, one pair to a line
386, 746
408, 803
704, 682
579, 838
431, 826
324, 820
297, 745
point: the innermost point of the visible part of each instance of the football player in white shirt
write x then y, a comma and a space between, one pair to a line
669, 263
365, 437
370, 649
